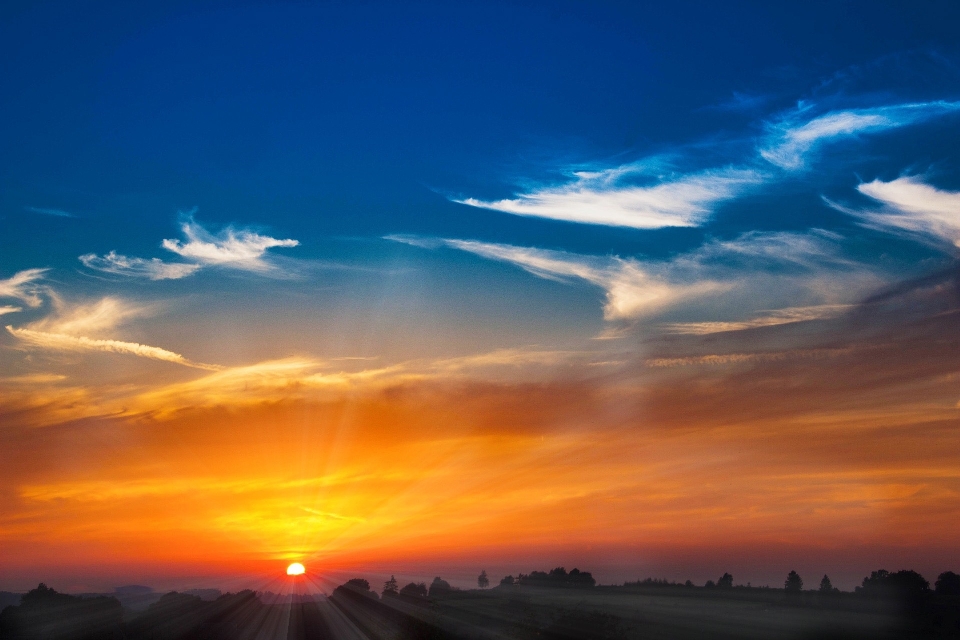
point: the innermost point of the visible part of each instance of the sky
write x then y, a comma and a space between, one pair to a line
649, 289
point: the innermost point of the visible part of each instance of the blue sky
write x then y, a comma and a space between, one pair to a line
508, 193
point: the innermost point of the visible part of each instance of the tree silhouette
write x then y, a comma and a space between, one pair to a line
506, 581
726, 580
390, 587
439, 587
483, 581
825, 585
948, 584
793, 583
416, 590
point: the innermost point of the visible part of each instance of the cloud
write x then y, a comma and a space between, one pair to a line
778, 277
51, 212
239, 249
91, 318
914, 207
5, 309
631, 291
740, 358
153, 269
230, 248
65, 342
70, 326
795, 136
21, 286
606, 198
777, 317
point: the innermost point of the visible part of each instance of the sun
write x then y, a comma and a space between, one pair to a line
295, 569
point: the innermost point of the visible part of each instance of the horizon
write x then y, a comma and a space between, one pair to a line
649, 290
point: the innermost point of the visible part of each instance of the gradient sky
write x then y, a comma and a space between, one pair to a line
664, 289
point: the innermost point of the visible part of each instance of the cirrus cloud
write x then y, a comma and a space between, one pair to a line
796, 136
604, 198
231, 248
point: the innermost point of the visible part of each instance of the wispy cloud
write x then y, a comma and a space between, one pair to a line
153, 269
94, 317
5, 309
65, 342
796, 135
751, 275
740, 358
914, 207
22, 286
608, 198
236, 248
69, 327
776, 317
232, 248
51, 212
631, 290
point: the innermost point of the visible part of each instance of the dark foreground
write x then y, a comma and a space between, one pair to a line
353, 612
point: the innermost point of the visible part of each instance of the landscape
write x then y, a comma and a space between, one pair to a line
487, 319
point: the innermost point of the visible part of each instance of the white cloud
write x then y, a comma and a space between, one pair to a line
5, 309
154, 268
239, 249
21, 286
90, 318
796, 136
232, 248
70, 326
65, 342
765, 278
604, 198
915, 207
631, 291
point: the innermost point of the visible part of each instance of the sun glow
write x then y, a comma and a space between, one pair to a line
295, 569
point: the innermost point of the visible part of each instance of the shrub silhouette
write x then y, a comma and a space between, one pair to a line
726, 581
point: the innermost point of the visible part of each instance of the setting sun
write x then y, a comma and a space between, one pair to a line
295, 569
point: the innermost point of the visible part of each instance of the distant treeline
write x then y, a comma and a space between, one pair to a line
878, 584
518, 607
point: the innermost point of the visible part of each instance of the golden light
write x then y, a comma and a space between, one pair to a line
295, 569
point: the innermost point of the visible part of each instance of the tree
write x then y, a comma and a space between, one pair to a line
904, 583
439, 587
948, 584
709, 584
825, 585
390, 587
793, 583
483, 581
506, 581
726, 580
414, 590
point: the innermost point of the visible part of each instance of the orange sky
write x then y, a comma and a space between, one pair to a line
841, 449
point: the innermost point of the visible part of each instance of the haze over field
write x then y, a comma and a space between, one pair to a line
417, 289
